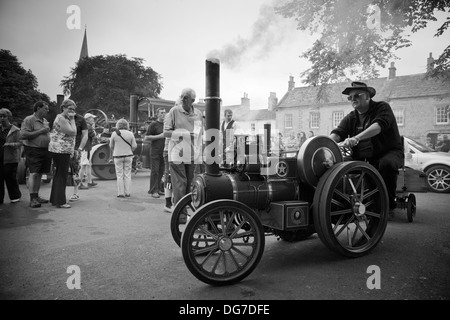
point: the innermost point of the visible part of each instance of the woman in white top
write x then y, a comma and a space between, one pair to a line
122, 145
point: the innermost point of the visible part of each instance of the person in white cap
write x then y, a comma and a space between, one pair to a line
86, 165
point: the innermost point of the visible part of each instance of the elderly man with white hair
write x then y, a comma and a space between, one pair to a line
183, 125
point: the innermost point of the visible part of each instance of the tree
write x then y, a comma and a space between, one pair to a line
18, 87
106, 83
352, 43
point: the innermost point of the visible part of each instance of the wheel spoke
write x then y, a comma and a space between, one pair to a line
360, 184
373, 214
233, 216
368, 204
338, 203
338, 223
213, 226
370, 193
344, 226
240, 252
222, 221
210, 249
352, 185
354, 233
239, 227
243, 244
207, 232
233, 258
342, 195
206, 258
341, 212
366, 221
217, 262
363, 231
204, 240
200, 238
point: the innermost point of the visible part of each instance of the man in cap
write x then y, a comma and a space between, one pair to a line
371, 131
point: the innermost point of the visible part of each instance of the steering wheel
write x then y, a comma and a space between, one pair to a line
346, 151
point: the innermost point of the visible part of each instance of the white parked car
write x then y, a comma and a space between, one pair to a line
435, 164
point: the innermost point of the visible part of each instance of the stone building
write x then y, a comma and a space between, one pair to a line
251, 121
421, 105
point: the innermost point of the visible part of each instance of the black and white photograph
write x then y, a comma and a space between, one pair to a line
225, 157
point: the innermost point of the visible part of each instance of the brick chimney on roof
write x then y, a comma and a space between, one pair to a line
291, 83
273, 101
430, 62
245, 101
392, 71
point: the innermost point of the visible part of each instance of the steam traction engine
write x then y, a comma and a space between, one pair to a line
230, 210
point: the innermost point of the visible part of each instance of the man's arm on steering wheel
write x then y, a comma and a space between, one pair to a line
370, 132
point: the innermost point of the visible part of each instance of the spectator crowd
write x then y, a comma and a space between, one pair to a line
65, 148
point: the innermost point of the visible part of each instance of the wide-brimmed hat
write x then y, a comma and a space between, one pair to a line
89, 115
360, 86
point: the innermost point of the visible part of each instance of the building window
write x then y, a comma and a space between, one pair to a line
314, 118
288, 121
300, 120
399, 116
442, 114
253, 127
337, 118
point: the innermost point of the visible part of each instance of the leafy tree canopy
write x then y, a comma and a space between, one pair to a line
18, 87
106, 83
352, 45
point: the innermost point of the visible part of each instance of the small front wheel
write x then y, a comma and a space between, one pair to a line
223, 242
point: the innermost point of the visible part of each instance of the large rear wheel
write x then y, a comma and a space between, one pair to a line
350, 208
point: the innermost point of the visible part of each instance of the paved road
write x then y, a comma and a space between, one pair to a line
124, 250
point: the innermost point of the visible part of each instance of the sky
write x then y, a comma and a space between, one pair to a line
258, 50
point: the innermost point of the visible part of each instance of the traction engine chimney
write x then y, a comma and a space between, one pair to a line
212, 108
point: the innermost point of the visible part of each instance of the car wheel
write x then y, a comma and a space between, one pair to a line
438, 178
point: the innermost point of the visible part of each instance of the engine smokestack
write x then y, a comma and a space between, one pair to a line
267, 135
212, 108
133, 112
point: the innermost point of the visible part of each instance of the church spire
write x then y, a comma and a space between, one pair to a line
84, 47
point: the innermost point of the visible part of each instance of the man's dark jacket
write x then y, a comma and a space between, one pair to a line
379, 112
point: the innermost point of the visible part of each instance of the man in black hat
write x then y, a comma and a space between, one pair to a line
371, 131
